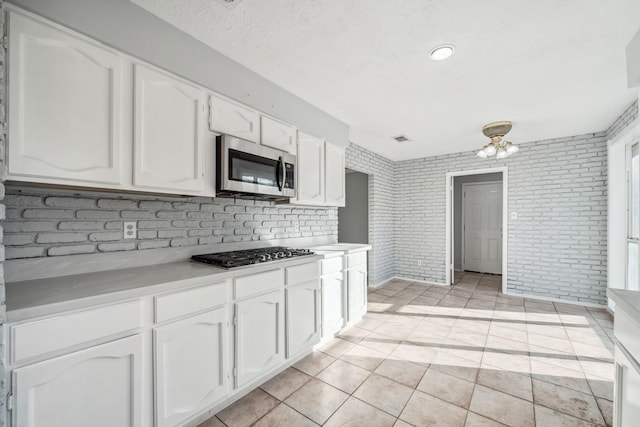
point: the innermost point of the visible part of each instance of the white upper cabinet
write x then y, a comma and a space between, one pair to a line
231, 118
310, 169
168, 134
278, 135
321, 171
65, 101
334, 175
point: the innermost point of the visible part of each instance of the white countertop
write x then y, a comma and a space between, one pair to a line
629, 301
34, 298
346, 248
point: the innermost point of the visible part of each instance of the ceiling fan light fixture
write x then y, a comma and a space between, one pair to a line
511, 149
496, 132
489, 149
442, 52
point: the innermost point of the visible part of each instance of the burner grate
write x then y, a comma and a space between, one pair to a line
233, 259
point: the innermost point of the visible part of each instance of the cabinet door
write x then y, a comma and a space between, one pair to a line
232, 118
334, 175
259, 336
65, 104
310, 170
168, 117
627, 390
100, 386
333, 316
303, 316
357, 294
190, 366
278, 135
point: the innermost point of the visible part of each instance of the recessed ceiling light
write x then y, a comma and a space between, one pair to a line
440, 53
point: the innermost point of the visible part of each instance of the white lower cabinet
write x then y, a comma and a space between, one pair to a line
357, 294
259, 335
178, 365
99, 386
190, 366
627, 390
303, 316
333, 315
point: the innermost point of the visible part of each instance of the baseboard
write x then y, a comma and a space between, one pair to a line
407, 279
558, 300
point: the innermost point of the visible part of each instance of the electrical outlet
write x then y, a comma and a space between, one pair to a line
296, 226
419, 262
130, 230
332, 213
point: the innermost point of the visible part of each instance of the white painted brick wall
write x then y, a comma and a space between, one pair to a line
629, 115
46, 222
381, 209
556, 247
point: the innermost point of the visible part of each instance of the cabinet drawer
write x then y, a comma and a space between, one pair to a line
190, 301
257, 283
57, 333
302, 273
332, 265
627, 331
356, 260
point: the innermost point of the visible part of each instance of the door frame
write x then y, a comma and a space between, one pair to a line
463, 215
449, 226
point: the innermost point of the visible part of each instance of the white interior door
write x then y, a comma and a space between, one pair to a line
482, 225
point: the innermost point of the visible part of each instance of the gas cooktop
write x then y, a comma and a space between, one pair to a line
233, 259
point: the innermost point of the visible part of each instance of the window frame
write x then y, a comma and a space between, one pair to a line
630, 239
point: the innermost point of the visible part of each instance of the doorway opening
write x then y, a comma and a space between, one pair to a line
353, 218
476, 226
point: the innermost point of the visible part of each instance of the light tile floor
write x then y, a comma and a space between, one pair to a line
437, 356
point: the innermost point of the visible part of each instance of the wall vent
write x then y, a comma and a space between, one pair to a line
229, 4
401, 138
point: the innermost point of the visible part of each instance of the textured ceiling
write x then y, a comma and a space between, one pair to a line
553, 67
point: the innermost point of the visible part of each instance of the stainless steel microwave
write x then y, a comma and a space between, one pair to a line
244, 168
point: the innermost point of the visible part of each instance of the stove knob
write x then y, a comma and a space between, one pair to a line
263, 258
280, 255
289, 254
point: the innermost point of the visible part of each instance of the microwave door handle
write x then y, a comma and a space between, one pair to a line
280, 174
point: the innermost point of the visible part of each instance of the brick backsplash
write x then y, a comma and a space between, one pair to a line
46, 222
